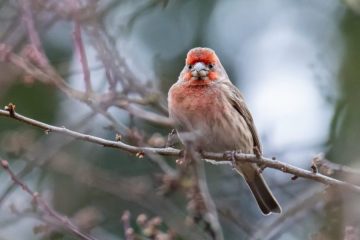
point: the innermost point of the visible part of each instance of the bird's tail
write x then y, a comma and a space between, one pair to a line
263, 195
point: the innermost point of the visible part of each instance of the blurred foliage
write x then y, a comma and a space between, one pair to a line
345, 132
346, 128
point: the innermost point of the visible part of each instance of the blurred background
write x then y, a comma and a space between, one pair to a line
296, 63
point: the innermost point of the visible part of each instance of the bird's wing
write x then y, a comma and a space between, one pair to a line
237, 101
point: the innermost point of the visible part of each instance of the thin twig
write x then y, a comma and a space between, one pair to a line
48, 75
298, 208
32, 33
79, 44
149, 116
129, 232
60, 219
215, 158
330, 168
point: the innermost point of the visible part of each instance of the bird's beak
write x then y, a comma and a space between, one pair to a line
199, 70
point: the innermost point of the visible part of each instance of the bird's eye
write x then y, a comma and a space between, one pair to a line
211, 66
190, 66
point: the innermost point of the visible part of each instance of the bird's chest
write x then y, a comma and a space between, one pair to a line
207, 117
198, 104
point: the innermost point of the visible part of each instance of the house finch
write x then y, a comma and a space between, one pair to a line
210, 112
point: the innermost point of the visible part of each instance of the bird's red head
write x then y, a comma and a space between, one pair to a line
204, 55
201, 64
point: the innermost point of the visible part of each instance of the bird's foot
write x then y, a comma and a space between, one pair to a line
172, 139
185, 158
230, 155
257, 152
261, 168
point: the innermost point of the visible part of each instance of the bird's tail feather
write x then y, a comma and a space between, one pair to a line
263, 195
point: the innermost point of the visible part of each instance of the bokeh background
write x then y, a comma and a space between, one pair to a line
296, 62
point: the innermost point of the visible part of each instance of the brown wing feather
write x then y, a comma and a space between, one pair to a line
237, 101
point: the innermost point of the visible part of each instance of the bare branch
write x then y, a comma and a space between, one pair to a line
79, 44
149, 116
215, 158
329, 168
32, 32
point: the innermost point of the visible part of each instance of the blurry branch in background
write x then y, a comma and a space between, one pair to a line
55, 218
299, 207
44, 156
35, 64
131, 189
32, 33
83, 59
202, 197
94, 100
215, 158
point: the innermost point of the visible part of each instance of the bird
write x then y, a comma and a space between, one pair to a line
211, 113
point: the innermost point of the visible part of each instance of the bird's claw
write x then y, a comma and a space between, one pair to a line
231, 156
261, 168
257, 152
184, 159
171, 140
